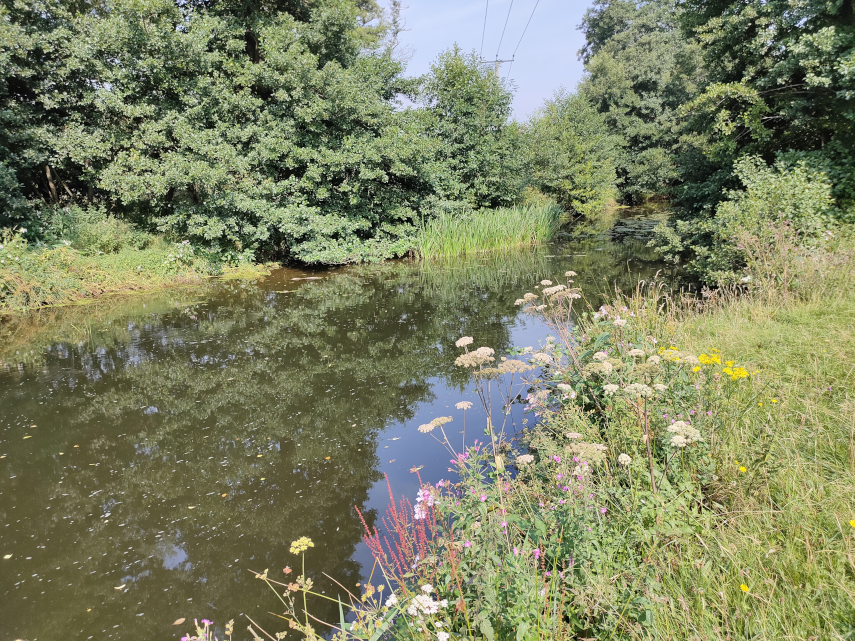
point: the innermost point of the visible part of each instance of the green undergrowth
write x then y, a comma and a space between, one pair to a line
63, 274
452, 233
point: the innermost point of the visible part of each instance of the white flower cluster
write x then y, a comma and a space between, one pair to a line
683, 434
610, 389
635, 352
624, 459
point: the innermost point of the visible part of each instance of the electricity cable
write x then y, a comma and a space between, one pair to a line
484, 30
505, 27
521, 38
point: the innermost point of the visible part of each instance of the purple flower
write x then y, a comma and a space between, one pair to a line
536, 554
206, 622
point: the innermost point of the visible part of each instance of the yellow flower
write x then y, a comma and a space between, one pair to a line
743, 587
774, 400
852, 522
301, 545
696, 368
707, 359
715, 350
729, 363
736, 462
760, 403
742, 469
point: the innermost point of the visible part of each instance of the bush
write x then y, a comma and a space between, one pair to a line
773, 197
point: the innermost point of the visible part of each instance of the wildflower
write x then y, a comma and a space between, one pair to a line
620, 322
607, 368
516, 551
743, 587
742, 469
774, 400
542, 358
570, 274
610, 389
549, 291
423, 604
206, 622
572, 435
476, 358
564, 387
392, 600
638, 389
624, 459
696, 368
603, 510
546, 283
528, 297
468, 544
426, 428
463, 405
660, 387
713, 359
852, 522
635, 352
442, 636
519, 301
483, 498
301, 545
600, 356
654, 360
525, 459
427, 588
464, 341
684, 434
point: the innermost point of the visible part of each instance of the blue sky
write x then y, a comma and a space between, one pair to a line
545, 60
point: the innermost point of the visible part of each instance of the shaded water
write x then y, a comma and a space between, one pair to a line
172, 442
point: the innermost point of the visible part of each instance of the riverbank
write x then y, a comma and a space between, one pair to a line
35, 277
691, 475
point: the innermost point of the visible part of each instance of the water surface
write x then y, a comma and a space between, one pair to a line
156, 450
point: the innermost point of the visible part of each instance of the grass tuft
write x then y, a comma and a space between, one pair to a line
486, 230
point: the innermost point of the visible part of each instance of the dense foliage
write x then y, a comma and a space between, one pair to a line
640, 70
256, 130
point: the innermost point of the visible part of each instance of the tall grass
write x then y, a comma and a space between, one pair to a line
454, 234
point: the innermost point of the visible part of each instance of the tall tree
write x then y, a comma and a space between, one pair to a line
640, 68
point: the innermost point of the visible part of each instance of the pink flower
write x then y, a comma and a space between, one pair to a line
603, 511
468, 544
536, 554
206, 622
516, 551
483, 498
504, 524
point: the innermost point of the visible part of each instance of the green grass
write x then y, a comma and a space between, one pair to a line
783, 529
453, 234
33, 277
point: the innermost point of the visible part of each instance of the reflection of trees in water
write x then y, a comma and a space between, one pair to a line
171, 401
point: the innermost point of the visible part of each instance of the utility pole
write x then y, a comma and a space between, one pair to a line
496, 63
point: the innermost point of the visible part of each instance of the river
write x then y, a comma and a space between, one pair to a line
155, 450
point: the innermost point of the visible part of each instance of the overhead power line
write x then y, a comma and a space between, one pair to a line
521, 37
484, 30
505, 27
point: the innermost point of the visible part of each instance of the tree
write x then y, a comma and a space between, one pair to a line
782, 85
640, 69
466, 108
571, 154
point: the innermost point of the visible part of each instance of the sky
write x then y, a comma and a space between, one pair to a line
545, 60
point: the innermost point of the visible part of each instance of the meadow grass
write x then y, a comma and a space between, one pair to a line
784, 528
33, 277
486, 230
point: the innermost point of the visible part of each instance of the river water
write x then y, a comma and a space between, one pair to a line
156, 450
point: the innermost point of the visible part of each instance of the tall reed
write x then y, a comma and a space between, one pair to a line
455, 234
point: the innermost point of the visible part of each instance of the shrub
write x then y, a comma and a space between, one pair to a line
773, 197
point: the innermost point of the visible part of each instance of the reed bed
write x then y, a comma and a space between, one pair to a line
488, 230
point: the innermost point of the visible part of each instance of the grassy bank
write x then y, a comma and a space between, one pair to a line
33, 277
457, 234
690, 474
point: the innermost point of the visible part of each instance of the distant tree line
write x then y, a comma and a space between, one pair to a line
287, 129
